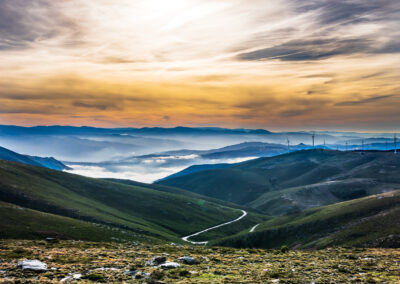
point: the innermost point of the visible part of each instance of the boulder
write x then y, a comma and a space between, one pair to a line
157, 260
34, 265
71, 277
187, 260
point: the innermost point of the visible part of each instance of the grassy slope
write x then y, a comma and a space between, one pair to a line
175, 190
22, 223
50, 163
369, 221
147, 211
296, 181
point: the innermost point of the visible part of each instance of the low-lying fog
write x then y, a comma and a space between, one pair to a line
146, 155
148, 170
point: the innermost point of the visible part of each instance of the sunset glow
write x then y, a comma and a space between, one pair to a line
284, 64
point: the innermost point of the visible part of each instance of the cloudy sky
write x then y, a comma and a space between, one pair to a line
276, 64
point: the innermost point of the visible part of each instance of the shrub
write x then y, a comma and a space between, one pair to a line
284, 249
94, 277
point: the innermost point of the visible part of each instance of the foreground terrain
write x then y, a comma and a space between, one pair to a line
108, 262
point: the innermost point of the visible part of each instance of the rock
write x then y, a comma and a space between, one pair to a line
157, 260
142, 274
34, 265
71, 277
51, 240
169, 265
187, 260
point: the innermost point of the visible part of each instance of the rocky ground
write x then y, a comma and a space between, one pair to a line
70, 261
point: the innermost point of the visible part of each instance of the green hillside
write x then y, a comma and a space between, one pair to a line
137, 209
372, 221
296, 181
49, 163
22, 223
175, 190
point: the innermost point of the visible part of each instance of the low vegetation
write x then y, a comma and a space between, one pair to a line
126, 263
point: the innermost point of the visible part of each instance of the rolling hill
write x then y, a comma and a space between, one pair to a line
18, 222
371, 221
296, 181
50, 163
141, 210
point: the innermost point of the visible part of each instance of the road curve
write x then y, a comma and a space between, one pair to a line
253, 228
186, 239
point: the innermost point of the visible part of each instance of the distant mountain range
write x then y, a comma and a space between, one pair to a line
50, 163
85, 130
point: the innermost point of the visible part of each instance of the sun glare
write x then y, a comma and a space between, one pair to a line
171, 8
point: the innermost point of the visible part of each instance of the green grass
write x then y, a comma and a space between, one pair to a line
22, 223
371, 221
138, 209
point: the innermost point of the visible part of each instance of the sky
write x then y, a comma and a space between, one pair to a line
277, 64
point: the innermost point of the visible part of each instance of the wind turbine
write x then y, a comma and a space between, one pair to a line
347, 143
313, 140
395, 143
288, 143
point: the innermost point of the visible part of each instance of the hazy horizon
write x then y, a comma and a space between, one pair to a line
276, 130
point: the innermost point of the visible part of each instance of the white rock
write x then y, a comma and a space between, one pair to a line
34, 265
169, 265
71, 277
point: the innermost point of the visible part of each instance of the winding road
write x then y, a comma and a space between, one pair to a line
253, 228
186, 239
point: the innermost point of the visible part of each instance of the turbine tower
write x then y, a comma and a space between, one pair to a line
288, 144
395, 143
313, 140
347, 144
